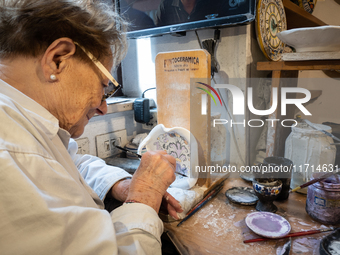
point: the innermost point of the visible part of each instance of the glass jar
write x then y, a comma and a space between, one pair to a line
311, 152
218, 142
323, 200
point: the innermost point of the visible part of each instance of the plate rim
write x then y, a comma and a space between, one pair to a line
261, 234
242, 203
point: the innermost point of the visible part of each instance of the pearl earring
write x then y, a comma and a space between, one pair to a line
53, 77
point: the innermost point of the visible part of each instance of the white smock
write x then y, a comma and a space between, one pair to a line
51, 199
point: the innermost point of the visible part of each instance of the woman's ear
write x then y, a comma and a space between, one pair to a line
54, 59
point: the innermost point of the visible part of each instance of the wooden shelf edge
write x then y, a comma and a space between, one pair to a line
299, 65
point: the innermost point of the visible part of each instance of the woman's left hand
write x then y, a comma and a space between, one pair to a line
171, 205
121, 189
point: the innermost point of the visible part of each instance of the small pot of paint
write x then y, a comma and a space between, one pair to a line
323, 199
266, 190
283, 172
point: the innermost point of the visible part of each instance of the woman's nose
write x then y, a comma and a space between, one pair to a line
102, 109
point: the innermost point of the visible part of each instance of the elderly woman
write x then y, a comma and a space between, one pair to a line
54, 62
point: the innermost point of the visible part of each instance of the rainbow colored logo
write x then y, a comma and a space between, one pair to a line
209, 93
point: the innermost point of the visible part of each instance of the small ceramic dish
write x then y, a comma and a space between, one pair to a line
179, 143
268, 224
242, 195
312, 39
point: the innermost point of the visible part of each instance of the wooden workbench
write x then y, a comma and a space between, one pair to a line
219, 228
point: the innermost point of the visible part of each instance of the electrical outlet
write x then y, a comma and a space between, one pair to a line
105, 143
83, 145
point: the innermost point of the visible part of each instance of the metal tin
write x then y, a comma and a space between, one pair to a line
323, 200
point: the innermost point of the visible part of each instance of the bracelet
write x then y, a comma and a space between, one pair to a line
130, 201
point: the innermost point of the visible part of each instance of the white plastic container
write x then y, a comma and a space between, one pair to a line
311, 152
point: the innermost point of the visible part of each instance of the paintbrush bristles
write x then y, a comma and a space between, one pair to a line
295, 189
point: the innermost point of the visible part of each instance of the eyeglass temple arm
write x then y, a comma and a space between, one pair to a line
100, 66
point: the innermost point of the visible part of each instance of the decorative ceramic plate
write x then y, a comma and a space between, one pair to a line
312, 39
268, 224
242, 195
179, 143
270, 20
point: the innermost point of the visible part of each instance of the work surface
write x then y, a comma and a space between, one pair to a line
219, 227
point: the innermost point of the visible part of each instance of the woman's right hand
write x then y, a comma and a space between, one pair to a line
152, 178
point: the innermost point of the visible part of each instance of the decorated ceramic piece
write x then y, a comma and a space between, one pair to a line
241, 195
179, 143
270, 20
267, 191
268, 224
312, 39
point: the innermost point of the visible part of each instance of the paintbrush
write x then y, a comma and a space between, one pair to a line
126, 150
140, 156
212, 192
324, 176
201, 204
302, 233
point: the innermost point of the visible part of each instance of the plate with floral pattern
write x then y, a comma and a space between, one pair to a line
179, 143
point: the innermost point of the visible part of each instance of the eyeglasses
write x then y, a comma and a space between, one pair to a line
110, 90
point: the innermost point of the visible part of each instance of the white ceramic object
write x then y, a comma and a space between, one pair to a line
312, 39
179, 143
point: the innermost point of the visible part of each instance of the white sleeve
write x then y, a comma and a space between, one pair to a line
45, 211
97, 174
135, 231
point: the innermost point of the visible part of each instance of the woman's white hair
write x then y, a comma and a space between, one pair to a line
28, 27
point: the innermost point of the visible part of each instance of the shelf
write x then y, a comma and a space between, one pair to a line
306, 56
297, 17
299, 65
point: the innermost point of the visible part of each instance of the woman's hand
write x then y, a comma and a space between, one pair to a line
171, 205
120, 192
152, 178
